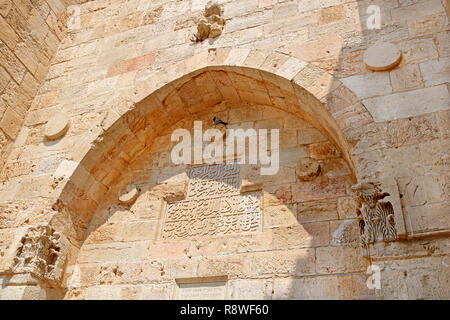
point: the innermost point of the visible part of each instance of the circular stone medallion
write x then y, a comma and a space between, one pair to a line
307, 169
129, 197
56, 126
382, 56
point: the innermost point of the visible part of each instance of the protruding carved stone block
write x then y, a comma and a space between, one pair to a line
129, 196
382, 56
376, 218
307, 169
247, 186
211, 25
213, 8
41, 251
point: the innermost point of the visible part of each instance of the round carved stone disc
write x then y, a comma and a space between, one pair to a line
56, 126
382, 56
129, 197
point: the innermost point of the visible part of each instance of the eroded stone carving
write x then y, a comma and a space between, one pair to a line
42, 252
213, 181
213, 205
307, 169
382, 56
211, 25
376, 218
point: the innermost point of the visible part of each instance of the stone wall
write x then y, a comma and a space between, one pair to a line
31, 31
131, 56
307, 234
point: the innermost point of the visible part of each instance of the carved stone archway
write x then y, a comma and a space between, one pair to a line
188, 87
166, 96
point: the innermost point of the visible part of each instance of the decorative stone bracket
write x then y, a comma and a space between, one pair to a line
380, 214
39, 251
211, 24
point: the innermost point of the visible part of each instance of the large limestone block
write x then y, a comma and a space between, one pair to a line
321, 188
369, 85
161, 291
234, 266
404, 250
23, 293
355, 287
342, 259
428, 219
307, 169
10, 122
436, 71
239, 243
129, 196
113, 252
417, 278
344, 232
406, 77
107, 292
408, 104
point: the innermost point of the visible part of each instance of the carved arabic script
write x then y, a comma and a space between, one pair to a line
213, 205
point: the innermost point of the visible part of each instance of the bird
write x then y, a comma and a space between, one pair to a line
218, 121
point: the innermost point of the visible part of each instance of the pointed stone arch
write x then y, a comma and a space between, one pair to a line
166, 96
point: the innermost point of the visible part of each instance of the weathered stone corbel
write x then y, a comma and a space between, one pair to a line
376, 215
211, 24
308, 169
41, 252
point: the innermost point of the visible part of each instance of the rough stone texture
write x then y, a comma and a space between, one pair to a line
409, 104
376, 217
284, 246
307, 169
39, 251
211, 25
56, 126
130, 74
31, 32
129, 196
